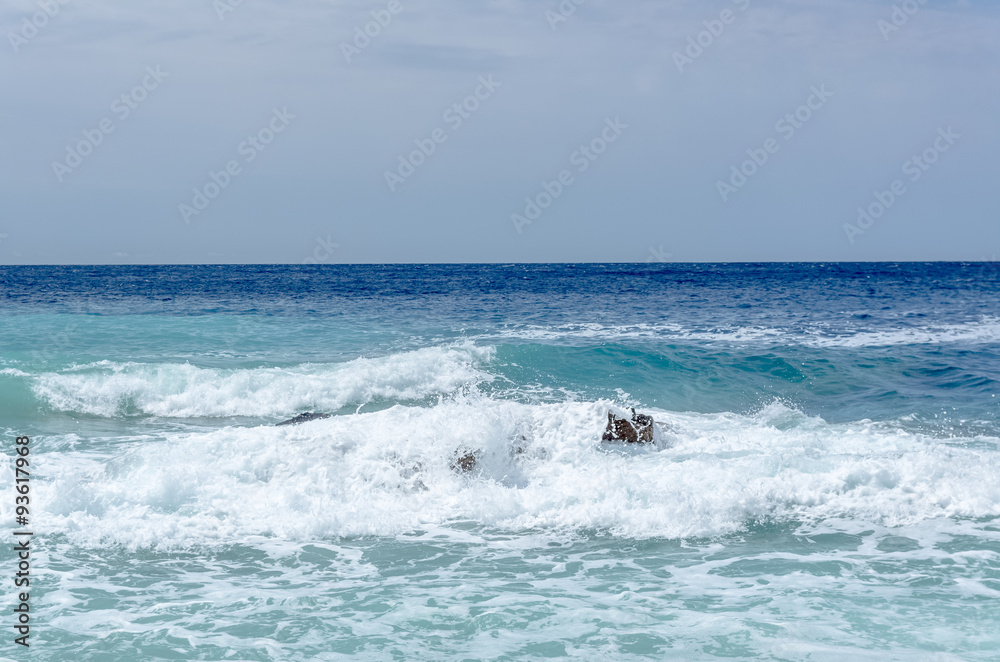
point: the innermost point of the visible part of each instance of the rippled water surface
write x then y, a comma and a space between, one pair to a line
824, 482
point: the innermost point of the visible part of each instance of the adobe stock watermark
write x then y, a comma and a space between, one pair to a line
223, 7
63, 341
237, 340
322, 252
714, 28
581, 158
786, 127
381, 19
914, 168
30, 25
987, 269
988, 264
658, 255
454, 116
899, 17
565, 9
122, 107
249, 149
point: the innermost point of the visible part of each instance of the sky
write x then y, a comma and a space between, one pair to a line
269, 131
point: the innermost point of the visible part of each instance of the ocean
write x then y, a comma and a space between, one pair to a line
824, 481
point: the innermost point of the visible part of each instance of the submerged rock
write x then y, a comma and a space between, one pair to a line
638, 430
303, 418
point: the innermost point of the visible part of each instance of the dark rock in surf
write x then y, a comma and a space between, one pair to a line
303, 418
638, 430
465, 463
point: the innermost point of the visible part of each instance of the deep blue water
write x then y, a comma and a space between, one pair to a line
823, 485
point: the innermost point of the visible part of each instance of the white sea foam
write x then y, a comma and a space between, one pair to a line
184, 390
985, 330
623, 332
388, 472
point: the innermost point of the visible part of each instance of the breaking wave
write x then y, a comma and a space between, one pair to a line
538, 466
182, 390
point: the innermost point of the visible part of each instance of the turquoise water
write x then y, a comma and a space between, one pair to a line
823, 485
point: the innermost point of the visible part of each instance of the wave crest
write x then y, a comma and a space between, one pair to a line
182, 390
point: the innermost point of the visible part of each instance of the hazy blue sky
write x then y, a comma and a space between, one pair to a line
670, 119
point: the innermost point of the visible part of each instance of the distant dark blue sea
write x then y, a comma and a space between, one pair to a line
823, 483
